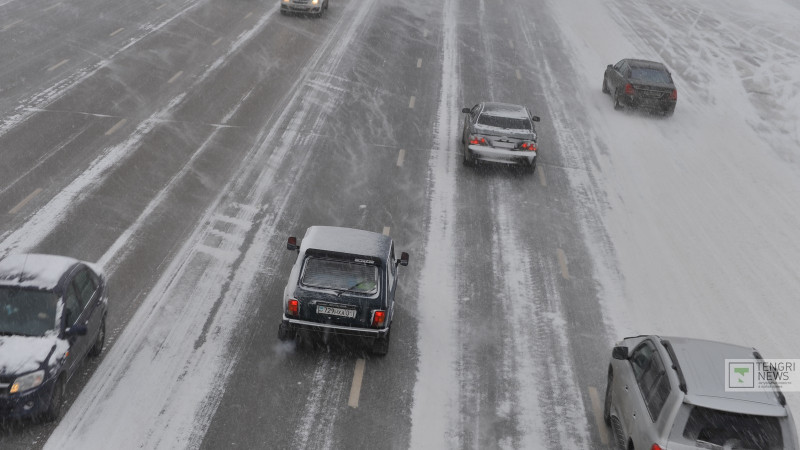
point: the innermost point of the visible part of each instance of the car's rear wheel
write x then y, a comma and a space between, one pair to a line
617, 105
381, 345
283, 12
469, 160
99, 341
607, 403
53, 411
285, 333
605, 87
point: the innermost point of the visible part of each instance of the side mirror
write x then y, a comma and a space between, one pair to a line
610, 67
75, 330
536, 118
403, 261
465, 110
620, 353
292, 244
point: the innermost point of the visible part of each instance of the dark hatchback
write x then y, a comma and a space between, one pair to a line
52, 315
641, 84
343, 282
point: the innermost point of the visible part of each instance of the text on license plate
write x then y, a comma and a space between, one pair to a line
336, 311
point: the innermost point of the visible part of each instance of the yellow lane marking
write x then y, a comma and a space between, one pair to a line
161, 6
116, 127
386, 231
175, 77
24, 201
52, 68
355, 389
519, 75
419, 63
597, 409
216, 42
401, 157
117, 31
562, 262
8, 26
411, 102
248, 15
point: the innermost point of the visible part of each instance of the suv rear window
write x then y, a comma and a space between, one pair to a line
340, 275
732, 430
505, 122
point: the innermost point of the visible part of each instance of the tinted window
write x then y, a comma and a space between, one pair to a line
650, 75
640, 358
73, 306
505, 122
340, 275
28, 312
85, 286
735, 430
392, 266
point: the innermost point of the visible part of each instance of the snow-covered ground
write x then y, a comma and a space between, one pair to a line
701, 211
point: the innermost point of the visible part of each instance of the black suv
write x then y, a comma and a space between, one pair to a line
343, 282
52, 315
641, 84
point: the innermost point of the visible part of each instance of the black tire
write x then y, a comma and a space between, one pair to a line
53, 411
532, 166
381, 345
326, 6
617, 105
607, 403
468, 161
285, 333
283, 12
669, 112
605, 87
99, 341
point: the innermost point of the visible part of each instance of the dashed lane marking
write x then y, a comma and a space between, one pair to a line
117, 31
248, 15
8, 26
511, 43
52, 68
562, 262
519, 75
597, 409
161, 6
25, 201
116, 127
355, 389
175, 77
542, 179
424, 33
411, 102
216, 42
51, 7
400, 157
419, 63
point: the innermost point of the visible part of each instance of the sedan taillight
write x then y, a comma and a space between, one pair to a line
629, 89
293, 307
527, 145
477, 140
378, 318
673, 95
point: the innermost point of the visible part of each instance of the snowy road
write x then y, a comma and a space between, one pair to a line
179, 143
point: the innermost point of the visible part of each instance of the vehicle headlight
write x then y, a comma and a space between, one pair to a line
314, 2
27, 382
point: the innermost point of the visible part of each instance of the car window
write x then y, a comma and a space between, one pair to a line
392, 267
733, 430
474, 113
509, 123
640, 358
340, 275
650, 74
73, 307
85, 287
28, 312
654, 386
618, 66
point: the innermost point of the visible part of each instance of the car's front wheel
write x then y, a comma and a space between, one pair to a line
607, 403
99, 340
53, 411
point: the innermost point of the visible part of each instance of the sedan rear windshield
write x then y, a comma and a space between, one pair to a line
730, 430
348, 276
27, 312
508, 123
650, 75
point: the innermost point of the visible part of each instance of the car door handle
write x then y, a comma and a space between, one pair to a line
626, 387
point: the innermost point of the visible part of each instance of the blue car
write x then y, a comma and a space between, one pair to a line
52, 316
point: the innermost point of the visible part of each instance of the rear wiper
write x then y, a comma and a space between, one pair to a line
350, 288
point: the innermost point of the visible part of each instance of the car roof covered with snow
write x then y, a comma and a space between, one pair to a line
34, 270
504, 110
703, 365
346, 241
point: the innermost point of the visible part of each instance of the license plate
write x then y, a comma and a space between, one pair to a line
327, 310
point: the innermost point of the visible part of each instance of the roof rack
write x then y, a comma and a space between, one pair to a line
775, 387
675, 365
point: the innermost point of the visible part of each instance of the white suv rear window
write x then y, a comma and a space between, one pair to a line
729, 430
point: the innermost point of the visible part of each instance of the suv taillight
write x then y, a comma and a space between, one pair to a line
293, 307
629, 89
673, 95
378, 318
657, 447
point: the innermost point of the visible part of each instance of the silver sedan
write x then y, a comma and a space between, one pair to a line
500, 133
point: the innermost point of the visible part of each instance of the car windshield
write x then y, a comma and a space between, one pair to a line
734, 431
650, 75
340, 275
28, 312
505, 122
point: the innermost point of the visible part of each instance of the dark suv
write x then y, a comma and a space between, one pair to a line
670, 393
52, 315
343, 282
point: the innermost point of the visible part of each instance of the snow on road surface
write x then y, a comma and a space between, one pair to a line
702, 210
